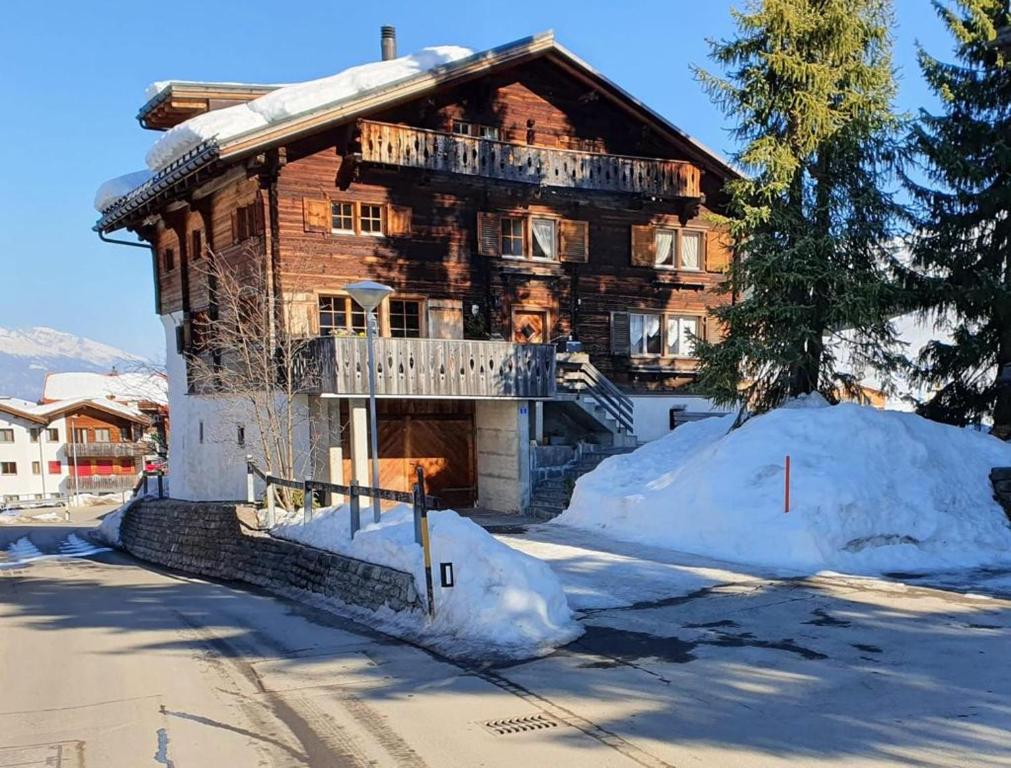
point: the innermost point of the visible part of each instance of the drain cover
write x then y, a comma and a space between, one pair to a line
519, 724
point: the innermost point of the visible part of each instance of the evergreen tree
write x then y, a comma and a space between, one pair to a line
962, 251
809, 86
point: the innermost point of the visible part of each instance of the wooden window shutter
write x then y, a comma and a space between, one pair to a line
316, 215
235, 227
643, 246
398, 220
257, 223
574, 239
489, 230
621, 343
718, 251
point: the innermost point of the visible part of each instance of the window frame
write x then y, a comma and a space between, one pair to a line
53, 434
36, 467
106, 431
354, 207
9, 473
349, 311
381, 232
665, 318
474, 130
168, 256
512, 237
4, 432
701, 235
419, 302
34, 434
554, 239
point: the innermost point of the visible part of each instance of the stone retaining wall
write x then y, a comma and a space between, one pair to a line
219, 540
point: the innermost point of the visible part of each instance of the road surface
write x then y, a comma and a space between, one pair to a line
108, 662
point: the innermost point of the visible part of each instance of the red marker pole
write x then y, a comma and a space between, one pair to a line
787, 488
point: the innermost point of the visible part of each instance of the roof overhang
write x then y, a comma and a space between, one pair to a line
26, 415
178, 101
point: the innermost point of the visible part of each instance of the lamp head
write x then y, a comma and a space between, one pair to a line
368, 294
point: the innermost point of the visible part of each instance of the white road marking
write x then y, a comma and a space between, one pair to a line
24, 551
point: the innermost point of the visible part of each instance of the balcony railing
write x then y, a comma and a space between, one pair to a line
428, 368
404, 145
91, 483
92, 450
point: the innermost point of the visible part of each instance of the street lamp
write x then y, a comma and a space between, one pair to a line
77, 469
369, 295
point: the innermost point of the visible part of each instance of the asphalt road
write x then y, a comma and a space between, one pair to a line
107, 662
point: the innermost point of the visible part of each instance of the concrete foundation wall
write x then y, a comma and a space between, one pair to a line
503, 454
220, 541
651, 413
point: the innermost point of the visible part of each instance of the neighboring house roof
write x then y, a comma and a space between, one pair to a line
123, 387
45, 413
202, 145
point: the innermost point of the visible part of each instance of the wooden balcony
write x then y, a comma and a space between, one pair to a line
105, 450
405, 146
428, 368
98, 483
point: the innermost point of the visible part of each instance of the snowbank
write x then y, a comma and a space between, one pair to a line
872, 491
504, 602
108, 531
115, 188
293, 100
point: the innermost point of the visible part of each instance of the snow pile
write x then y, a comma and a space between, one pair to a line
108, 530
504, 601
114, 189
293, 100
871, 491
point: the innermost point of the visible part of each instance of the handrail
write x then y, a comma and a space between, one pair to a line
603, 391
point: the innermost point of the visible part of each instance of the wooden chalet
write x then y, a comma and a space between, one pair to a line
554, 246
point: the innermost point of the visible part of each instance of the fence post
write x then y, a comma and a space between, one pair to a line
356, 509
307, 500
426, 546
146, 476
417, 515
250, 488
270, 503
161, 484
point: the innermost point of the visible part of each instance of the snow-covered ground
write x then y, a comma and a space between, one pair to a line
504, 603
871, 492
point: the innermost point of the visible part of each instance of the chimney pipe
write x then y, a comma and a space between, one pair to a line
388, 42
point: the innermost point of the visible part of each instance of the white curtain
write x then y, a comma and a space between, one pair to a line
691, 247
544, 238
680, 331
665, 247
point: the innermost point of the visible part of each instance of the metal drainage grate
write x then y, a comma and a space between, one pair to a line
520, 724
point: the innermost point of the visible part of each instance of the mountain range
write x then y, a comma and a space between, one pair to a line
28, 354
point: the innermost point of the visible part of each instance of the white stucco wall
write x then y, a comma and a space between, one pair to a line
213, 468
651, 413
23, 452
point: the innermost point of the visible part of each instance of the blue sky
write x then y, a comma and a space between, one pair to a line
72, 76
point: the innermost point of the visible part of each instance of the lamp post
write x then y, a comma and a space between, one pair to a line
77, 469
369, 295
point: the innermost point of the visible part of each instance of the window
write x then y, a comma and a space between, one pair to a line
240, 436
36, 467
80, 435
680, 333
679, 249
103, 435
197, 244
168, 259
34, 433
644, 334
340, 315
544, 238
691, 250
8, 468
512, 237
55, 467
245, 223
53, 435
6, 435
405, 318
371, 219
342, 217
126, 434
464, 128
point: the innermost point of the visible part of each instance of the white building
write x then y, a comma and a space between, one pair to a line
74, 446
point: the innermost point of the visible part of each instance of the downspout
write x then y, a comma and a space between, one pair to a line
154, 263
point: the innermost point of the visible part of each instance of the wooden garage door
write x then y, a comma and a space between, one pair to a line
436, 435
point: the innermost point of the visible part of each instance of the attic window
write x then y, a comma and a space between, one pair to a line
477, 130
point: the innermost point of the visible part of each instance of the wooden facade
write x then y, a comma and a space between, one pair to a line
521, 206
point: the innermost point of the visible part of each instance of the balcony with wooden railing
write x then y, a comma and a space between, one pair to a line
123, 449
427, 368
406, 146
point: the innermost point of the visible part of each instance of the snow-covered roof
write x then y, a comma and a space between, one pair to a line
302, 108
122, 387
159, 87
47, 411
114, 189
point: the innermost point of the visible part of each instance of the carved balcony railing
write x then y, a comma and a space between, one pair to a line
404, 145
110, 483
427, 368
105, 450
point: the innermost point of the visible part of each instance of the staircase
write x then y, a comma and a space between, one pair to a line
551, 495
581, 385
